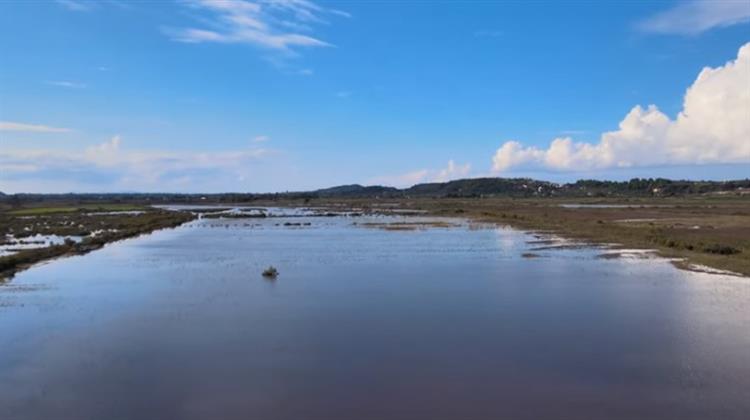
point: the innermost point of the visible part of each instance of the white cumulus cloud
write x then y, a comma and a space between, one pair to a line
713, 127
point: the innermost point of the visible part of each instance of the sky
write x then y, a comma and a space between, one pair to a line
289, 95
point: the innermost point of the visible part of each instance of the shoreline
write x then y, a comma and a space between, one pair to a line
605, 222
610, 225
684, 259
12, 264
690, 233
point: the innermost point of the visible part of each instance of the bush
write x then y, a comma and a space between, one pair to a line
720, 249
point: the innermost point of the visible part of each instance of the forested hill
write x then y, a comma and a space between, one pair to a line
474, 187
525, 187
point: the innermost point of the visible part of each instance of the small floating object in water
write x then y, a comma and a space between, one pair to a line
271, 272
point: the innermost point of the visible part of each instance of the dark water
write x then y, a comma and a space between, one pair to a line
365, 323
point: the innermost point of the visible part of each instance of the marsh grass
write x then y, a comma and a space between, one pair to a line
111, 227
34, 211
710, 231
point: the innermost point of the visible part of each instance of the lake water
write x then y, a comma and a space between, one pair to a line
368, 323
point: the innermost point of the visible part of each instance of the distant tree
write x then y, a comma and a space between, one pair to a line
15, 201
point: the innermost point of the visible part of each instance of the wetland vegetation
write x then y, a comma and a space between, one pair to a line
706, 231
82, 229
696, 223
694, 231
186, 317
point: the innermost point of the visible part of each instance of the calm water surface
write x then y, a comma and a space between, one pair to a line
364, 323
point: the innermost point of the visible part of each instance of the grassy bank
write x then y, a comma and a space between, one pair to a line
710, 231
94, 230
35, 211
715, 234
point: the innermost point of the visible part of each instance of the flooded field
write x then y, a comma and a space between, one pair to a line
370, 317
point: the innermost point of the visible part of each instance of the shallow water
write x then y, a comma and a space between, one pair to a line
13, 244
367, 323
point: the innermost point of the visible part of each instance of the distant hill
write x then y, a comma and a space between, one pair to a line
473, 187
356, 190
477, 187
526, 187
653, 187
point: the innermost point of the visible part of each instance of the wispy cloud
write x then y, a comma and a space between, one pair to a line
450, 172
340, 13
76, 5
401, 180
34, 128
697, 16
66, 84
121, 168
278, 25
261, 139
343, 94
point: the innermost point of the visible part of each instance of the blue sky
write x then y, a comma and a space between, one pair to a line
288, 95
